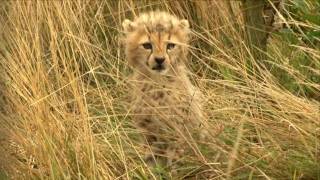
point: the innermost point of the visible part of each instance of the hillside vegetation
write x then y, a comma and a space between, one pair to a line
63, 84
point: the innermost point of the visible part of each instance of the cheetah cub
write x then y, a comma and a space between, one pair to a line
165, 105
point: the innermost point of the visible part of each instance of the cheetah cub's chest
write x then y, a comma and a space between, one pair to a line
165, 105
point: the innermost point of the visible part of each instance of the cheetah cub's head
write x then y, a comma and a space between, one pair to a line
156, 42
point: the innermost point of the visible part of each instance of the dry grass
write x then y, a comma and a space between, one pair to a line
63, 78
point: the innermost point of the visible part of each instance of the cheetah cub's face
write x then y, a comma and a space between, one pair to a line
156, 42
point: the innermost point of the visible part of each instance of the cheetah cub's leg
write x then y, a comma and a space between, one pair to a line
151, 156
156, 150
174, 153
176, 145
154, 147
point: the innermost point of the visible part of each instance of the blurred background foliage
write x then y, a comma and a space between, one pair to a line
301, 31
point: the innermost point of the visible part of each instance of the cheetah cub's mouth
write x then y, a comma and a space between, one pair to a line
158, 68
156, 42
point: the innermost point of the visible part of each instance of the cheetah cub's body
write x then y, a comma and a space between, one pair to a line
164, 102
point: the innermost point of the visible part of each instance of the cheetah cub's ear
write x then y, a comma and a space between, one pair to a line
184, 24
128, 26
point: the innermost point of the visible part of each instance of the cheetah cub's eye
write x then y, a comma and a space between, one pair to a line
147, 45
170, 46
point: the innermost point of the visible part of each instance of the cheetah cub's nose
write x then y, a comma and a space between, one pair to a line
159, 60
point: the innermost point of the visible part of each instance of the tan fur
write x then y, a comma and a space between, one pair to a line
163, 101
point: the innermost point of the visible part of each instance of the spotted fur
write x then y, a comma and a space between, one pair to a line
164, 102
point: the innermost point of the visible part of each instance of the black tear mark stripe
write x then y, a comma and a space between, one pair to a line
169, 37
170, 57
167, 49
150, 51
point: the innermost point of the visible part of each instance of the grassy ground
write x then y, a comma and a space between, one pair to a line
63, 79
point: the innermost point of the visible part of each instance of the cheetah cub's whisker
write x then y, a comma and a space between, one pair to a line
166, 106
